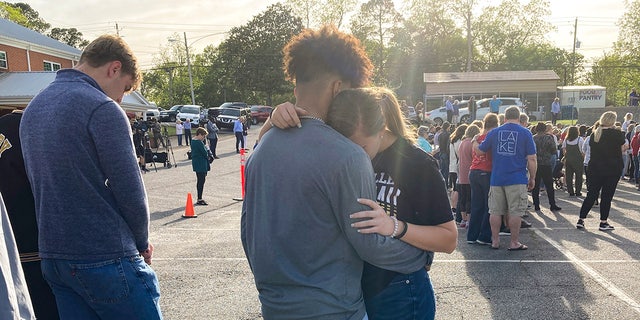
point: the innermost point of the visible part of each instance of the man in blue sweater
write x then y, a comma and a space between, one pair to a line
91, 205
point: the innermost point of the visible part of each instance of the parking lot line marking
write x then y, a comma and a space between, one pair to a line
203, 229
531, 261
199, 259
591, 272
437, 261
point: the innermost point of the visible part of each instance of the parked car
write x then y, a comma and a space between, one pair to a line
260, 113
439, 115
240, 105
170, 115
483, 105
190, 111
213, 113
154, 113
411, 115
234, 105
228, 116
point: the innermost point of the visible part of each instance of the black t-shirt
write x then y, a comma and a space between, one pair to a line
606, 154
444, 139
409, 186
15, 186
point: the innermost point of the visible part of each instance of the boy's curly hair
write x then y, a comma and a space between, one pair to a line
326, 51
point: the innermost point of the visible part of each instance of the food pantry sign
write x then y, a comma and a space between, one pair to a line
582, 96
590, 95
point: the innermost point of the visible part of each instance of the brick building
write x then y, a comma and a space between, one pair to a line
22, 49
28, 61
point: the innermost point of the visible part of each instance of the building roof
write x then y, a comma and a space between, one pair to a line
18, 88
450, 77
12, 34
578, 88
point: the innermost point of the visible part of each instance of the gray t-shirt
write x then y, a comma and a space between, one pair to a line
301, 187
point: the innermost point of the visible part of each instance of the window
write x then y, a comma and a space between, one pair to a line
51, 66
3, 60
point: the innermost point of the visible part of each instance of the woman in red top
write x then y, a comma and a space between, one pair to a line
479, 178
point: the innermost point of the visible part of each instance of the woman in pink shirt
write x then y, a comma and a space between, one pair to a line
465, 155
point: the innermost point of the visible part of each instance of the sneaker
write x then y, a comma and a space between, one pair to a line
580, 224
605, 226
525, 224
471, 242
505, 232
555, 208
483, 243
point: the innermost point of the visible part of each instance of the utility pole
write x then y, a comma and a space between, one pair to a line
573, 56
193, 98
117, 30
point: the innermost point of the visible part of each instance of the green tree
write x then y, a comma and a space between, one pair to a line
627, 43
305, 9
618, 73
335, 11
434, 44
464, 8
502, 31
22, 14
376, 25
249, 62
167, 83
70, 36
619, 70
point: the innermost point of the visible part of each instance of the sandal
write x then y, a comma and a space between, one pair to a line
518, 248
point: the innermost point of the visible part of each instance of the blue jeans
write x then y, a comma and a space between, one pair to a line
479, 227
636, 170
408, 296
625, 161
179, 139
124, 288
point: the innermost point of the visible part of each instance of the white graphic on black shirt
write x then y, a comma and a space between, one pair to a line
388, 193
5, 144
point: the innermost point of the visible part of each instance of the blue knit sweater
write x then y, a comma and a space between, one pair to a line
90, 199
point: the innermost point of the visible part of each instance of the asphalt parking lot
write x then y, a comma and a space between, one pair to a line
565, 274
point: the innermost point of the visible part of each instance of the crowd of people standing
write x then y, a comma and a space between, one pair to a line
566, 157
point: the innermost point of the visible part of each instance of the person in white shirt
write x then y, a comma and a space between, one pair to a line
555, 110
179, 131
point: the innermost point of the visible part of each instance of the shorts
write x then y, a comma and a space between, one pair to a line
464, 198
139, 151
510, 200
453, 177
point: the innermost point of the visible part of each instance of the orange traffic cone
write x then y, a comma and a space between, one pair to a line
188, 209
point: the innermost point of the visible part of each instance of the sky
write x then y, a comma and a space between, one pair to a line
147, 25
